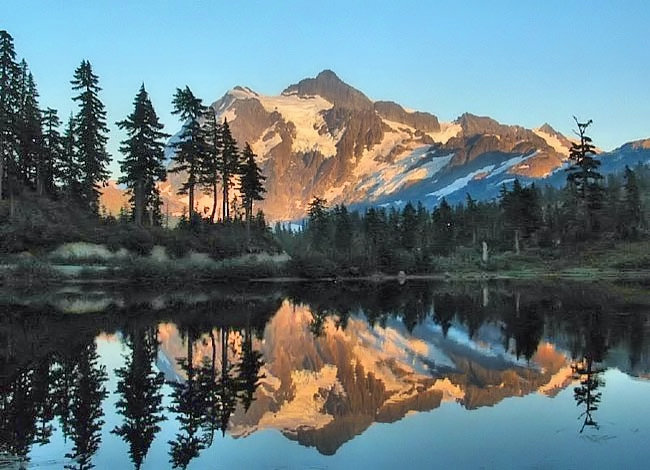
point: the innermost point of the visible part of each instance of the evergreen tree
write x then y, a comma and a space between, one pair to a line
52, 151
230, 164
342, 232
9, 103
584, 177
90, 134
190, 146
250, 184
29, 132
632, 211
319, 224
211, 162
144, 155
69, 168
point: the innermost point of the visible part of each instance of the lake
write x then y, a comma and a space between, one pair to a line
326, 375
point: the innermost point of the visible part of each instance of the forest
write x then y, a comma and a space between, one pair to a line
51, 174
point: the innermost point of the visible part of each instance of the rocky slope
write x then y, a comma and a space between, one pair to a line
323, 137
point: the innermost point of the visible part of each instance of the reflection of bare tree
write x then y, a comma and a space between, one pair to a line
587, 393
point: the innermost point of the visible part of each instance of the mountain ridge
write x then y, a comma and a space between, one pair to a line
323, 137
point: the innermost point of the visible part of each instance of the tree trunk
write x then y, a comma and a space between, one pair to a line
249, 212
214, 201
2, 167
191, 197
517, 241
225, 213
139, 202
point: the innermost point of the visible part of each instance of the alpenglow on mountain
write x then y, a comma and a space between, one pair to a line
322, 137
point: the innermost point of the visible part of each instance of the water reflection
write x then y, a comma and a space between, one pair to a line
319, 363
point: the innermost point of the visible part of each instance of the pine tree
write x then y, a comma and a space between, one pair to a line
69, 167
52, 152
584, 177
211, 162
250, 183
9, 101
190, 146
230, 163
90, 134
632, 211
144, 154
30, 134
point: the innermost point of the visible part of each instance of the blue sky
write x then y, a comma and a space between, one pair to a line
519, 62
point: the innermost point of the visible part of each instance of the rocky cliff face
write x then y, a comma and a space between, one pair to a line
322, 137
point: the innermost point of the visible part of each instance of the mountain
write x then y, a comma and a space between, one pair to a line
322, 137
323, 391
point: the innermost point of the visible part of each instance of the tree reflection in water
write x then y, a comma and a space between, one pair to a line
56, 377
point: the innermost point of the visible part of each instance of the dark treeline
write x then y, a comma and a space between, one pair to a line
414, 239
70, 165
61, 384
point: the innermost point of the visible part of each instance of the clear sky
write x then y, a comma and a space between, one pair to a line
520, 62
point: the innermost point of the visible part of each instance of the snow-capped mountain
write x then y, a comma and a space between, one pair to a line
322, 137
323, 391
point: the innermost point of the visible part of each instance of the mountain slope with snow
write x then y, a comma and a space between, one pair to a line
322, 137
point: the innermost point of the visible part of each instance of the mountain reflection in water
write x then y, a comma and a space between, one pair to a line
318, 363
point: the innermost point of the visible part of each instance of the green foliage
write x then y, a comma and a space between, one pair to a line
90, 131
144, 154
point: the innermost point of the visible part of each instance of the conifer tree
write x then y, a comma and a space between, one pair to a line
250, 183
69, 167
90, 134
9, 101
52, 152
584, 177
632, 211
144, 154
30, 133
230, 163
211, 162
190, 146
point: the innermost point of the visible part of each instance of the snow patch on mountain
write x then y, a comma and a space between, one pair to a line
306, 113
553, 141
460, 183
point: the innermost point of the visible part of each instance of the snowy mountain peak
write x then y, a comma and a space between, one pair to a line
328, 85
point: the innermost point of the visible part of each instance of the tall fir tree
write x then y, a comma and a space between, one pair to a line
52, 152
190, 146
9, 103
229, 166
30, 134
211, 162
584, 178
251, 183
144, 154
69, 167
90, 134
632, 210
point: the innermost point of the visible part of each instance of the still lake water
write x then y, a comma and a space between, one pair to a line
327, 376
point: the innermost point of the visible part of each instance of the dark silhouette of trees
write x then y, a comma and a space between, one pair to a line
584, 179
88, 393
190, 144
212, 158
91, 134
144, 155
141, 397
229, 167
9, 105
251, 183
